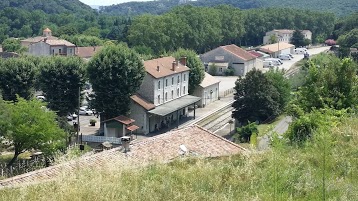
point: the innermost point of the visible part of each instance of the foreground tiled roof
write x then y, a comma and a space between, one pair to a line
208, 80
239, 52
274, 47
161, 148
142, 102
165, 67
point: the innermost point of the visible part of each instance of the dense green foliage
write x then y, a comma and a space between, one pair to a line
282, 85
31, 126
17, 78
243, 134
12, 45
60, 79
256, 99
196, 74
298, 39
50, 7
115, 73
343, 7
344, 25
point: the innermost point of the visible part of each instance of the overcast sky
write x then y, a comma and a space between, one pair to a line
106, 2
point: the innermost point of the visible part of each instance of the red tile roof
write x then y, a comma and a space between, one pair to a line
142, 102
121, 119
239, 52
161, 148
165, 67
87, 52
132, 128
256, 54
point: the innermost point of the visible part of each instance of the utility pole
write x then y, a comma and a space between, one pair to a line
78, 112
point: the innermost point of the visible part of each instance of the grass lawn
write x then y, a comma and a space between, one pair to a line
264, 128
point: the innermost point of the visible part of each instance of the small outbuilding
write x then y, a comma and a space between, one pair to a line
208, 90
119, 126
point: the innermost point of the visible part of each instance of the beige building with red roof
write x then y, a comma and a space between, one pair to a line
230, 56
163, 98
50, 47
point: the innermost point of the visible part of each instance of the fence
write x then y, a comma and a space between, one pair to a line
228, 92
100, 139
22, 166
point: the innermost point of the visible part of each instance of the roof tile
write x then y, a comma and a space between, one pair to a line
239, 52
165, 65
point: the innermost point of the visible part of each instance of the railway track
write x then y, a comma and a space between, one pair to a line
217, 119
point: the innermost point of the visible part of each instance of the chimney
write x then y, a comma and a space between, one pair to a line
158, 69
45, 39
183, 61
125, 143
173, 65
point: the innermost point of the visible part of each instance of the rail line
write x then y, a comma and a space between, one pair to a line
217, 119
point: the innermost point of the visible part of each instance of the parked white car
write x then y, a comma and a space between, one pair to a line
276, 61
284, 57
268, 64
85, 112
300, 50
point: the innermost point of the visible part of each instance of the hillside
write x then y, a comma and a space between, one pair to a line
48, 6
343, 7
324, 169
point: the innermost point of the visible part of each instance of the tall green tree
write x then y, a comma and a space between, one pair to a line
298, 39
255, 99
282, 85
17, 77
197, 69
61, 78
12, 45
115, 73
32, 126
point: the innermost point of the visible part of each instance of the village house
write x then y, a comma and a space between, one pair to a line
46, 34
163, 98
230, 57
52, 48
208, 90
284, 35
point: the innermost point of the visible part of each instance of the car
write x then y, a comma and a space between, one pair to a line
85, 112
291, 55
284, 57
71, 117
42, 98
268, 64
276, 61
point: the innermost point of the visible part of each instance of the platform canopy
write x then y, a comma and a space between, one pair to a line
174, 105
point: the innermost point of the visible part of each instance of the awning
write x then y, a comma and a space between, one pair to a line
132, 128
174, 105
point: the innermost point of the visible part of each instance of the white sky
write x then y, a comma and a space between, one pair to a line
106, 2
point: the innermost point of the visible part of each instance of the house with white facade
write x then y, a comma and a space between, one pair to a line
163, 98
284, 35
230, 56
208, 90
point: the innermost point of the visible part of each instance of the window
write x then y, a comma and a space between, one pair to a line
172, 80
158, 99
172, 94
166, 96
178, 92
70, 50
166, 82
184, 92
158, 84
178, 79
220, 69
184, 77
53, 52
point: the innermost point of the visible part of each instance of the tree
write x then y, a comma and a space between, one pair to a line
32, 126
17, 77
244, 133
61, 78
282, 85
298, 39
273, 39
255, 99
115, 73
197, 71
12, 45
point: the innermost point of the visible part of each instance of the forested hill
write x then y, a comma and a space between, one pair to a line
48, 6
340, 8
